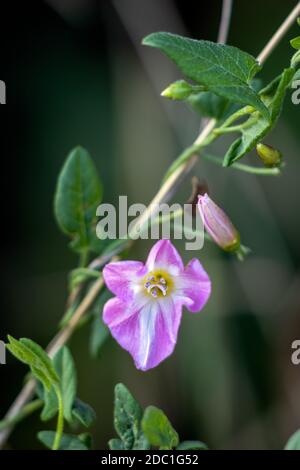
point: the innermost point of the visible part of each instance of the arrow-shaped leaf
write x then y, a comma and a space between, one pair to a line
225, 70
77, 197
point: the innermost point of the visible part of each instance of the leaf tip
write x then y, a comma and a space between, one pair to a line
147, 40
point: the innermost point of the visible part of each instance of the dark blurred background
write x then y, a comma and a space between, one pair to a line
76, 74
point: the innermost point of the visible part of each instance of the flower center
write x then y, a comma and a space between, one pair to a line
157, 284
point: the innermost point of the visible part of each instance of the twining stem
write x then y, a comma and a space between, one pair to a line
63, 336
276, 38
60, 420
225, 21
242, 167
25, 411
166, 190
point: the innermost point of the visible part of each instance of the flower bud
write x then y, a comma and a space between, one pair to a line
218, 224
269, 155
179, 90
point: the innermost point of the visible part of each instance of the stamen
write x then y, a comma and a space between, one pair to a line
153, 291
156, 285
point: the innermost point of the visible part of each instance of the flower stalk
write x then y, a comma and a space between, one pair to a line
60, 420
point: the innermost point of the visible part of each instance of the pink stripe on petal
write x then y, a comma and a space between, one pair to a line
115, 312
193, 287
122, 277
159, 324
148, 334
165, 256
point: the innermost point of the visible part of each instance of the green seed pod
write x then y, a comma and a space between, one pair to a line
269, 155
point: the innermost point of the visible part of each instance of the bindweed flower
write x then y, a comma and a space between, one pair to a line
218, 224
145, 315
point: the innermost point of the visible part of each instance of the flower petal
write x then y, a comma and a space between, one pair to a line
218, 224
193, 286
148, 334
122, 277
164, 255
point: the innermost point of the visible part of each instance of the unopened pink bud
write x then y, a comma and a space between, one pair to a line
218, 224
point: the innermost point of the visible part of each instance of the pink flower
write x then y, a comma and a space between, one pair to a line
145, 315
218, 224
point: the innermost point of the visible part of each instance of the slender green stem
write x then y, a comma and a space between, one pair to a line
160, 220
25, 411
227, 130
60, 420
241, 253
183, 157
240, 113
240, 166
84, 258
165, 218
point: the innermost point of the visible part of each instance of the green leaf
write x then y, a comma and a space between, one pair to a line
297, 75
116, 444
225, 70
99, 331
86, 439
30, 353
256, 127
192, 445
141, 442
99, 335
295, 60
77, 196
42, 357
294, 442
295, 43
50, 408
65, 367
68, 441
208, 104
158, 429
127, 419
83, 413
